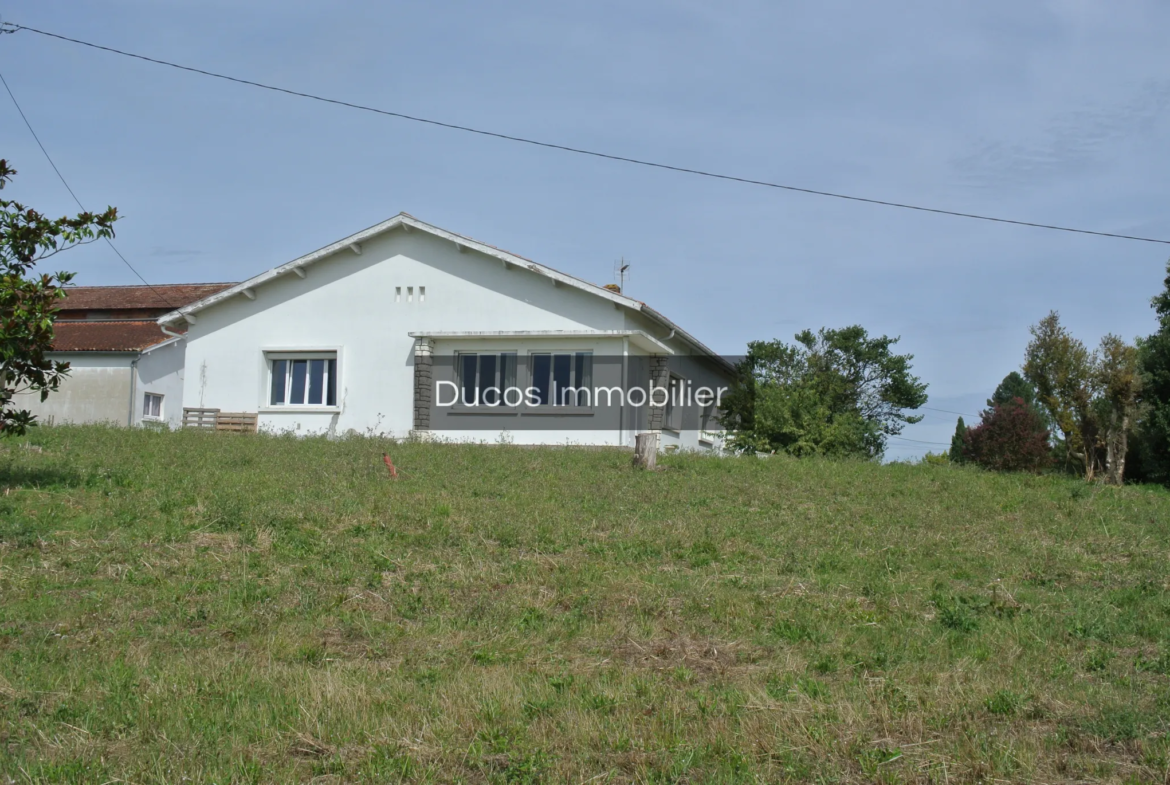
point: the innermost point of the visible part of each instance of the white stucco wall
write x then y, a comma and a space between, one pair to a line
348, 303
97, 390
160, 371
364, 307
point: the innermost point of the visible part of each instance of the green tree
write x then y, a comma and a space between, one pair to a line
1061, 368
1092, 398
833, 392
958, 442
1118, 379
1153, 430
28, 300
1013, 386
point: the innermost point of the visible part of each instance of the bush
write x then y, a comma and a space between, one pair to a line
1010, 438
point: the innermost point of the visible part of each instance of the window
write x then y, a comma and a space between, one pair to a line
672, 419
485, 379
562, 379
152, 406
308, 379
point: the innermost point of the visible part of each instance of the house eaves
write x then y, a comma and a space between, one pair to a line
353, 244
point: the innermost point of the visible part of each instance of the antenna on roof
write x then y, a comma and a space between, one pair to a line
621, 272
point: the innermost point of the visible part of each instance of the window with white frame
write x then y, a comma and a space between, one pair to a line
302, 379
486, 377
152, 406
562, 378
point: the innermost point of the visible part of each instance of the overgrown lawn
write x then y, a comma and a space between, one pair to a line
191, 607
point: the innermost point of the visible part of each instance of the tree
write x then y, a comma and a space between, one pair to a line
834, 392
957, 442
28, 300
1010, 437
1092, 398
1117, 376
1153, 428
1061, 369
1016, 386
1013, 386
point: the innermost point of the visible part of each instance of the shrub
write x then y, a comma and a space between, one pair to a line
1010, 438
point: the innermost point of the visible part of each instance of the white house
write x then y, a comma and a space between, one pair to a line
406, 328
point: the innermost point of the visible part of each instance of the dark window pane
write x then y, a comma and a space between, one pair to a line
583, 378
316, 381
331, 390
279, 372
299, 371
508, 373
487, 380
562, 363
541, 366
467, 377
674, 404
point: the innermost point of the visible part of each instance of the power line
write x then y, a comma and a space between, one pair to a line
919, 441
580, 151
948, 411
61, 177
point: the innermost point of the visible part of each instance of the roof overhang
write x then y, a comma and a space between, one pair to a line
161, 344
638, 338
406, 222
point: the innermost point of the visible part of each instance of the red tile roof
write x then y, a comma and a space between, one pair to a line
169, 296
106, 336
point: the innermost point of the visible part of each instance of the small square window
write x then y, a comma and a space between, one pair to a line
152, 406
422, 293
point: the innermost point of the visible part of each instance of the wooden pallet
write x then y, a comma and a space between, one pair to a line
237, 422
215, 420
200, 418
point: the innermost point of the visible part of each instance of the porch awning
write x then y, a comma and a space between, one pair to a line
638, 338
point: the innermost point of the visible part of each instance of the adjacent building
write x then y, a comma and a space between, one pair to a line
124, 369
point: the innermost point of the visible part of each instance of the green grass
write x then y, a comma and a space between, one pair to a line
195, 607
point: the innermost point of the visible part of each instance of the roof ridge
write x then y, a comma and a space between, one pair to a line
147, 286
145, 320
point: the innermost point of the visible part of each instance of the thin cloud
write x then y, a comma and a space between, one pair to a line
1071, 142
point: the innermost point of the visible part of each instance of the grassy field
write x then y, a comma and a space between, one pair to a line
198, 608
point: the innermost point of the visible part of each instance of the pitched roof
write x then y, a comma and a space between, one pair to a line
409, 222
168, 296
107, 336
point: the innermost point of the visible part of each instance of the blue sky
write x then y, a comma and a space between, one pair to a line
1054, 112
